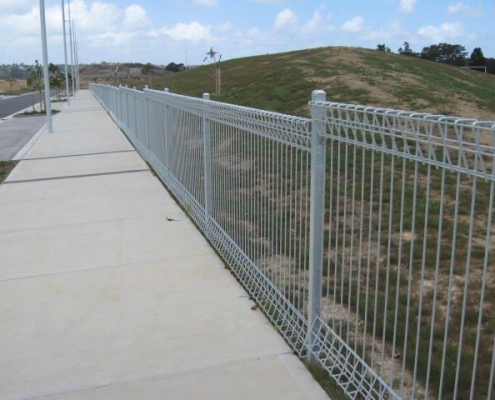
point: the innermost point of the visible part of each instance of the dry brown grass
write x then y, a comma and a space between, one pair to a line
18, 86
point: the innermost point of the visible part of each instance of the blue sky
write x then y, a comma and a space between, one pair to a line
175, 30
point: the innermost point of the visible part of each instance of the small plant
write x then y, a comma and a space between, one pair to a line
187, 210
5, 168
34, 113
35, 82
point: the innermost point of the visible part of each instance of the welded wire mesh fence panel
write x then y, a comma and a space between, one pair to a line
157, 131
260, 208
186, 160
409, 281
408, 292
260, 190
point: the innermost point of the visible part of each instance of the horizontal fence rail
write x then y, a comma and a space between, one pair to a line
364, 234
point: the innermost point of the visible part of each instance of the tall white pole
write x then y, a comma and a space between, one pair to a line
76, 55
71, 51
67, 90
48, 107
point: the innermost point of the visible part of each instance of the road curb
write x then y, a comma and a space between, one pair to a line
29, 145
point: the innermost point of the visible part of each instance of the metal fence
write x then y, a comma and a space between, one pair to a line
364, 234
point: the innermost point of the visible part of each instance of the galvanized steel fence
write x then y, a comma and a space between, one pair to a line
364, 234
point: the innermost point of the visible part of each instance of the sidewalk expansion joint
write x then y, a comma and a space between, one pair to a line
105, 267
42, 227
83, 109
77, 155
130, 171
196, 371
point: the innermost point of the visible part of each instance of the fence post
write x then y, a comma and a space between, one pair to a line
207, 162
317, 217
146, 118
168, 138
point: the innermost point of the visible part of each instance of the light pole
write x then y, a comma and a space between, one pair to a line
71, 51
48, 107
76, 56
67, 90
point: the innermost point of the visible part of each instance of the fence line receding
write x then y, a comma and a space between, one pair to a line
364, 234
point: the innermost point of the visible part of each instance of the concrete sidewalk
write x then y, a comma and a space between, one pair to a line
103, 297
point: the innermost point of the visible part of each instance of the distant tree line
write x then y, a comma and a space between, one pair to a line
16, 71
452, 54
173, 67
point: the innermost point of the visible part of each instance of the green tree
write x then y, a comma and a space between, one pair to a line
35, 82
57, 78
406, 50
146, 70
477, 58
383, 47
490, 65
173, 67
453, 54
53, 69
11, 81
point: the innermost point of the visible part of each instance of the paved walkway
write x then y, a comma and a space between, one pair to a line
102, 297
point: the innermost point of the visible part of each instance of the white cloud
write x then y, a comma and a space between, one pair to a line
443, 32
98, 17
461, 7
112, 39
107, 30
354, 25
208, 3
21, 24
193, 32
135, 17
388, 33
407, 6
286, 19
319, 23
226, 27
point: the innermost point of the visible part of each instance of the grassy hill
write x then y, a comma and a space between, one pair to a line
283, 82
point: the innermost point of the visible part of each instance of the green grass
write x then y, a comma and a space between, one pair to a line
34, 113
283, 82
5, 168
328, 384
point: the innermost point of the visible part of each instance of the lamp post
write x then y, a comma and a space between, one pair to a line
76, 56
67, 90
71, 51
48, 107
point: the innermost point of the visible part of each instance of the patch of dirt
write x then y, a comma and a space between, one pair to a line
386, 360
5, 168
380, 86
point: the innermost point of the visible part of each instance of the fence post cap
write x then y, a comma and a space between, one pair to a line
166, 90
318, 95
206, 96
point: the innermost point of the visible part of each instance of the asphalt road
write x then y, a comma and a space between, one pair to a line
12, 105
15, 133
